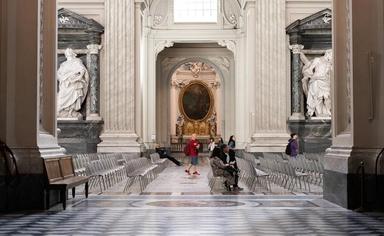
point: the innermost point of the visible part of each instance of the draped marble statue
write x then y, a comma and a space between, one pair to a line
317, 84
73, 86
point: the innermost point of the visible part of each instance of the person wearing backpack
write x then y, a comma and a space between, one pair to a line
292, 148
192, 150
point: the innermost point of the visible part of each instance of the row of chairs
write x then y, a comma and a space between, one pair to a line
314, 168
143, 171
284, 174
105, 170
251, 175
306, 167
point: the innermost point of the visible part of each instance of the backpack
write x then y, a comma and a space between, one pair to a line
186, 150
288, 148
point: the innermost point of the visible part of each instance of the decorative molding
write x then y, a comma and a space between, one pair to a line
157, 20
230, 44
231, 12
296, 48
162, 44
221, 62
94, 48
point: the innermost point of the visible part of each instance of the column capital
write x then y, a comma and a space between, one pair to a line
296, 48
94, 48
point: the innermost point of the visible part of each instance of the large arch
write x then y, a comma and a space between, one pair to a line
224, 66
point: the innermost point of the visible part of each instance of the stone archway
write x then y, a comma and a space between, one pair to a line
168, 62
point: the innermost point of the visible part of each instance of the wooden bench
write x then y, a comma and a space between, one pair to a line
61, 176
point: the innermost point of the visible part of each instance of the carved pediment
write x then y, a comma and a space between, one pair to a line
321, 20
76, 31
73, 21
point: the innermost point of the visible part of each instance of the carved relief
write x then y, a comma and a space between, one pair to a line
230, 44
231, 12
159, 12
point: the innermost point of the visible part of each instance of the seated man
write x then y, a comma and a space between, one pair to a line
163, 154
228, 156
221, 169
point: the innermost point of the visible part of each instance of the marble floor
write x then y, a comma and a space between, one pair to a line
178, 204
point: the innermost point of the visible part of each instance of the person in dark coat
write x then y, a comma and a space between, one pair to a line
164, 154
221, 169
232, 142
294, 145
228, 156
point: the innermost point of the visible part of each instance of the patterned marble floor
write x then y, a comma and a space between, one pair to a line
178, 204
195, 215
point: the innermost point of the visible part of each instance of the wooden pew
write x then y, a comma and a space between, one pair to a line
61, 176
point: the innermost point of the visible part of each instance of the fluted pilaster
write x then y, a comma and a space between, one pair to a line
118, 86
271, 85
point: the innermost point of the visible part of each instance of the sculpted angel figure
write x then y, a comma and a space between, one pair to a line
317, 84
212, 124
179, 125
73, 80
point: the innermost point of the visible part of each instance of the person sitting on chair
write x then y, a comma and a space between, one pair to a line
228, 156
163, 154
221, 169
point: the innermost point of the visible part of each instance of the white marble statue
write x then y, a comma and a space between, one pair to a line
317, 84
73, 86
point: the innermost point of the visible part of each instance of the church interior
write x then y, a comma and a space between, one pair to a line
191, 117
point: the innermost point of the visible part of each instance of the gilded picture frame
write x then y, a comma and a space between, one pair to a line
196, 101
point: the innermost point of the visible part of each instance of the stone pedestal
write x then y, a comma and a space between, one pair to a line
342, 178
79, 136
314, 134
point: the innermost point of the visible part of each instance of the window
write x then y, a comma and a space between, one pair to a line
195, 11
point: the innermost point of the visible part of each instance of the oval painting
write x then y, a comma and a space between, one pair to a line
196, 101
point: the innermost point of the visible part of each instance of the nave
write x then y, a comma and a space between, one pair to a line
175, 203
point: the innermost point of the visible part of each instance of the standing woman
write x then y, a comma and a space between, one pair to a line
232, 142
193, 152
211, 145
294, 145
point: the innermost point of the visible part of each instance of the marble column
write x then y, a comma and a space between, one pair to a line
138, 52
296, 85
28, 94
118, 86
270, 79
93, 60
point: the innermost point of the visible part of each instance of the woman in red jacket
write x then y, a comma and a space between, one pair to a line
193, 152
